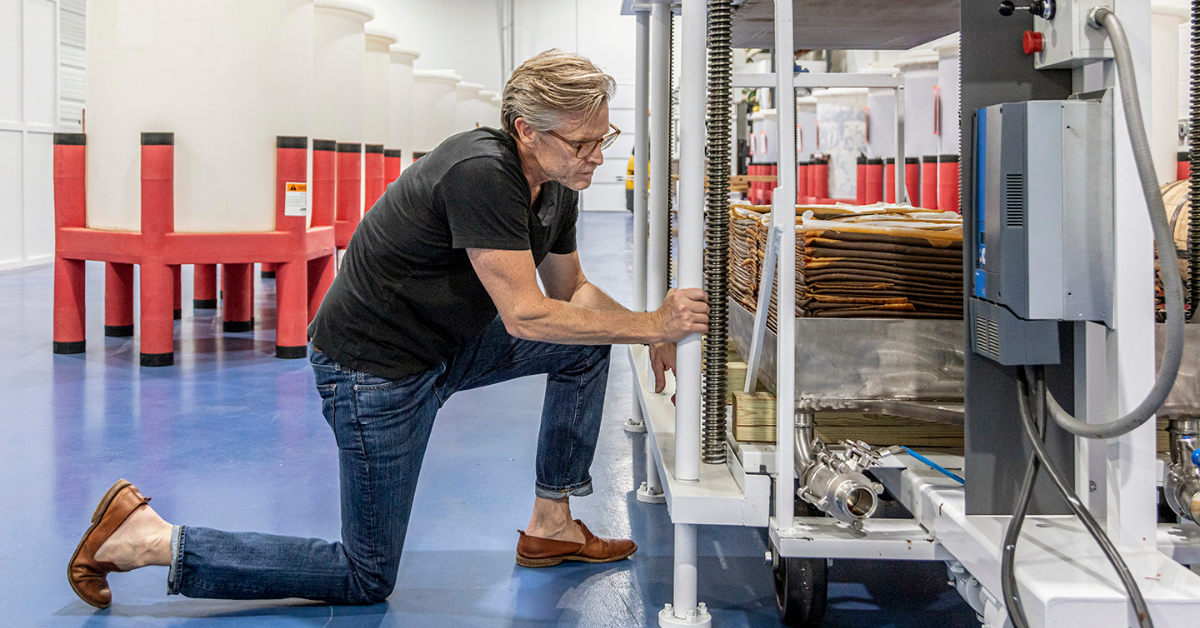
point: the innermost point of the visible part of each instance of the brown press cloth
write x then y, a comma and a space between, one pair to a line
818, 263
880, 247
947, 279
820, 252
848, 236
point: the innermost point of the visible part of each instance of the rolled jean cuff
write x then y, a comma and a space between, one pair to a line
176, 556
581, 489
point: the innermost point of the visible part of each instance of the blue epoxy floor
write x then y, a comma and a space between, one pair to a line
233, 438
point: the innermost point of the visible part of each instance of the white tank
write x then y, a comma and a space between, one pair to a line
843, 135
339, 48
434, 104
920, 71
401, 98
497, 101
466, 108
487, 114
377, 65
764, 125
1164, 83
881, 117
806, 127
225, 76
948, 99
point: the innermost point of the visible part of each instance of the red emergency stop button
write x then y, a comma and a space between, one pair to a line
1032, 42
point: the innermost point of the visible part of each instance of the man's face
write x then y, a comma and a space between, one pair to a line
561, 158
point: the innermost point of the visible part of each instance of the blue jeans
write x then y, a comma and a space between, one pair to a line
382, 428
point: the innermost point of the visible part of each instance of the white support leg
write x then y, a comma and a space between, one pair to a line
660, 152
685, 611
1131, 458
651, 490
692, 137
641, 157
783, 219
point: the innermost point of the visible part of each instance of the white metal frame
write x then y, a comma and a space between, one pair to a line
1063, 578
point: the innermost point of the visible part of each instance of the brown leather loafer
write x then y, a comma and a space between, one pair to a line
88, 577
534, 551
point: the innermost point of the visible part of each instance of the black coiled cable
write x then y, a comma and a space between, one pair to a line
716, 230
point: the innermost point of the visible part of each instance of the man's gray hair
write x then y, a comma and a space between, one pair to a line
552, 85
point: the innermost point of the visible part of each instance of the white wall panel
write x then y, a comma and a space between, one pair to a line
459, 35
39, 59
11, 165
10, 61
30, 88
38, 219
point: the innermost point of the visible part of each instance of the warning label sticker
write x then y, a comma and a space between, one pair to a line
295, 201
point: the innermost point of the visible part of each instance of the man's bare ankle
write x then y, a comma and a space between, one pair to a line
143, 540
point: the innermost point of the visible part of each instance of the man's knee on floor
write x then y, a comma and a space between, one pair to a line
370, 587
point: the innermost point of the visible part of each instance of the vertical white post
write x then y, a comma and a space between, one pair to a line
692, 137
641, 157
660, 186
901, 162
1131, 458
660, 152
1091, 398
686, 582
783, 219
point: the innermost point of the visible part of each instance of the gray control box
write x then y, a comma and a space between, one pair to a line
1045, 241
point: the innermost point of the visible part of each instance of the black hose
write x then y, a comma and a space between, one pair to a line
1008, 560
1016, 614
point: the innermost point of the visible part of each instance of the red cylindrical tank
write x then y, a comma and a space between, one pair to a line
948, 183
802, 190
860, 183
820, 180
912, 179
929, 187
1183, 167
889, 180
874, 181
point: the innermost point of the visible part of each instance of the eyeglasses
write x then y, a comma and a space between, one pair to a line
583, 148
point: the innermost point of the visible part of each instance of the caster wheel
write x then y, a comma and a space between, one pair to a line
801, 586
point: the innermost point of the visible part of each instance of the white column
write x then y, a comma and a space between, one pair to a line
641, 156
660, 152
692, 137
1131, 458
783, 218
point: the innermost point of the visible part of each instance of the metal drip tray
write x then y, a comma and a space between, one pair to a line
865, 359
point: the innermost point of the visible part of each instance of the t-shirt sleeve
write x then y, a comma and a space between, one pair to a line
486, 206
565, 243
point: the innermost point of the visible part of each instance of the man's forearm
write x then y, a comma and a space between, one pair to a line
592, 297
576, 323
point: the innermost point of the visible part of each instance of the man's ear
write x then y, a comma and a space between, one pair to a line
525, 131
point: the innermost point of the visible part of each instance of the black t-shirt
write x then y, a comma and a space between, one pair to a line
406, 296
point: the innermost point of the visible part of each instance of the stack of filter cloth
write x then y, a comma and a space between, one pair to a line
875, 261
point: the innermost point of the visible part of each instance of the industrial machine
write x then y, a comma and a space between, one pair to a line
1053, 373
